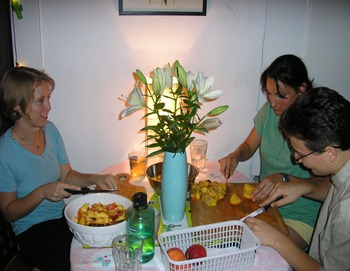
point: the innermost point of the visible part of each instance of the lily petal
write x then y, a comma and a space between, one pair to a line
137, 98
129, 110
204, 88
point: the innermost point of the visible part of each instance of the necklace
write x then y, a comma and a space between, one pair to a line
37, 146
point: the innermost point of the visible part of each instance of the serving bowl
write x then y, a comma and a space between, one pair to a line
95, 236
154, 173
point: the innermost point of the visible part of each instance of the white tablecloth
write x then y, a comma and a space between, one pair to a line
85, 259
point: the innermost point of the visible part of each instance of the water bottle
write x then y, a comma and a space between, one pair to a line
140, 221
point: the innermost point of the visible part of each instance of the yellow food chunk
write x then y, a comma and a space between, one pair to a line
247, 191
99, 214
234, 199
209, 192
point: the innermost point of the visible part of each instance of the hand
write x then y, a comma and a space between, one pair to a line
228, 165
267, 234
107, 181
55, 191
269, 190
265, 187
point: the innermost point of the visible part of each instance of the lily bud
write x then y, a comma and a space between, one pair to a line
211, 123
218, 110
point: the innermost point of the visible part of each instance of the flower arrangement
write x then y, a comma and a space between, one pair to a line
173, 132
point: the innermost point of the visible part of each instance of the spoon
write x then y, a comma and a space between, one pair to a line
171, 226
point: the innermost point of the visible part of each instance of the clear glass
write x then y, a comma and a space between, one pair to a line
137, 161
198, 151
127, 252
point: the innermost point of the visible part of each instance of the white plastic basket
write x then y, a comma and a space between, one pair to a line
230, 246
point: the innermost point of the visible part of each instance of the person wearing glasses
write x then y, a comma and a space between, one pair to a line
317, 126
282, 82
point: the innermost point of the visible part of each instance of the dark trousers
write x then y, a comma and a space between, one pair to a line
46, 245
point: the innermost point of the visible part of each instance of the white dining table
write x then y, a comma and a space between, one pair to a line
86, 259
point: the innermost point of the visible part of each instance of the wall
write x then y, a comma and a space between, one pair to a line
92, 53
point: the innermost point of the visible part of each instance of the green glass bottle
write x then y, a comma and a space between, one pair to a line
140, 221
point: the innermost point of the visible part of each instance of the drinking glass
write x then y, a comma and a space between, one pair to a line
127, 252
137, 161
198, 151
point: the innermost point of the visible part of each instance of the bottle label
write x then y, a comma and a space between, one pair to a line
132, 229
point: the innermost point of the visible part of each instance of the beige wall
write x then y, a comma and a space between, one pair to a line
92, 53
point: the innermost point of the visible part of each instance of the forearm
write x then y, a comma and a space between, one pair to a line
295, 257
243, 152
81, 179
316, 187
19, 208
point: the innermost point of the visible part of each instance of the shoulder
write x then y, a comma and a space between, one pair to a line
51, 129
5, 140
263, 114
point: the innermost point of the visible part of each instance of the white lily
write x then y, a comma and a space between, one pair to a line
175, 122
161, 79
136, 101
211, 124
204, 88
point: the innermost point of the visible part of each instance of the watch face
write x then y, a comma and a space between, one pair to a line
285, 177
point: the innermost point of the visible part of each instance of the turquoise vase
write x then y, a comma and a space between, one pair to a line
174, 186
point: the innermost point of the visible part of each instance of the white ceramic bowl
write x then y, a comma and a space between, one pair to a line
95, 236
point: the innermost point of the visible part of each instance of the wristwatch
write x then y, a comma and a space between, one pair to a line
285, 177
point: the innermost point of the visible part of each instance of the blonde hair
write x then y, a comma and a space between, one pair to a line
16, 89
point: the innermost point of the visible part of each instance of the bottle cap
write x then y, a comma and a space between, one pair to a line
139, 200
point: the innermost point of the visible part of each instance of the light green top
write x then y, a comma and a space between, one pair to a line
275, 157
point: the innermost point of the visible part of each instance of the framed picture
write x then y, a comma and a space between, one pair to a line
163, 7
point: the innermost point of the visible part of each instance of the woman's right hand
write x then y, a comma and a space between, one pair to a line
55, 191
228, 164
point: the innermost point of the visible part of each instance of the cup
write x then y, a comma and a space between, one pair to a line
198, 151
127, 252
137, 161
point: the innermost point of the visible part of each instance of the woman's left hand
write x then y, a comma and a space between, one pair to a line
107, 181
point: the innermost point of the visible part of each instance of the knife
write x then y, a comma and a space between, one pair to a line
260, 210
86, 190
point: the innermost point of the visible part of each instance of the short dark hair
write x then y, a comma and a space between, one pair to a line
321, 118
288, 69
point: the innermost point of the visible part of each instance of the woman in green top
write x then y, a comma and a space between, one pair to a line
283, 81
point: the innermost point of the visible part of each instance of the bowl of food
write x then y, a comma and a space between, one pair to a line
95, 219
154, 175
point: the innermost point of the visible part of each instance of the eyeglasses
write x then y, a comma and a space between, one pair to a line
319, 151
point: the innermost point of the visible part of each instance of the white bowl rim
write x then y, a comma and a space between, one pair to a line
104, 198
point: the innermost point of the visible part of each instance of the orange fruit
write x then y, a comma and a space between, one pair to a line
247, 191
234, 199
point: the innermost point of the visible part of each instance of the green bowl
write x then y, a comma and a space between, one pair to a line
156, 170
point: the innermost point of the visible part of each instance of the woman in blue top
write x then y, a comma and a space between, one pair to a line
35, 170
283, 82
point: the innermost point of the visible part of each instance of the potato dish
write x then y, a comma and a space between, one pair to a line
99, 214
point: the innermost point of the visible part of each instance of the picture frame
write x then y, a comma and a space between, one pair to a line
163, 7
